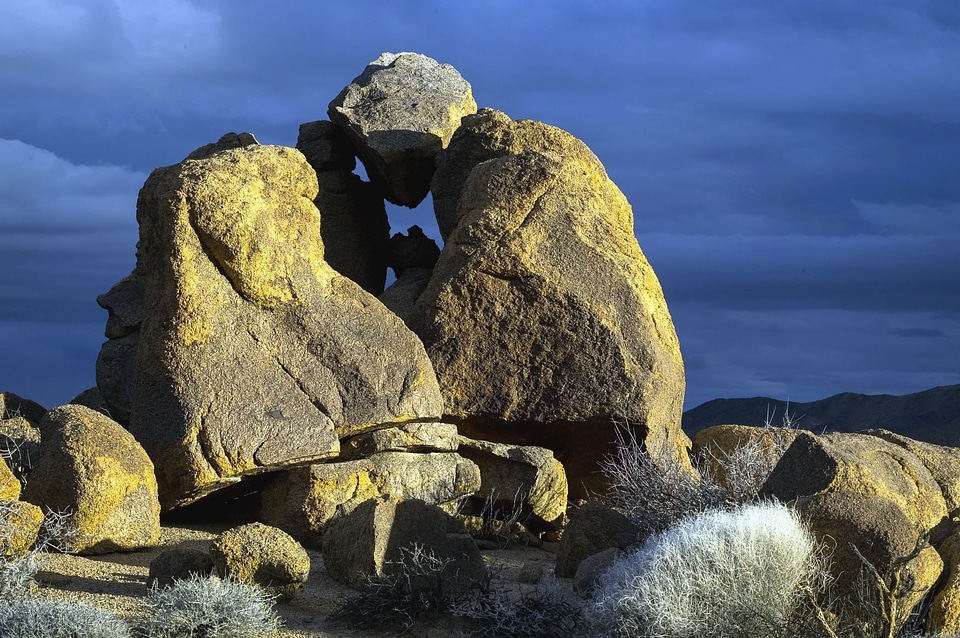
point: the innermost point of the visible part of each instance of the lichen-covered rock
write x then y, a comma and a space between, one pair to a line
543, 319
411, 437
9, 484
178, 563
93, 469
303, 501
527, 475
399, 113
715, 447
943, 463
20, 524
881, 532
353, 221
262, 555
944, 616
379, 535
860, 464
593, 529
252, 352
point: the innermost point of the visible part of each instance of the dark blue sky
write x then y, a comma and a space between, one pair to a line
794, 166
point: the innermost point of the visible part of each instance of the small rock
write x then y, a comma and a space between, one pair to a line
20, 522
590, 569
595, 528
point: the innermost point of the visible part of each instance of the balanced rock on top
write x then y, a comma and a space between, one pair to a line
400, 112
253, 353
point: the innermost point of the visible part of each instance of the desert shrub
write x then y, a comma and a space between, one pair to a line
544, 612
655, 495
419, 584
720, 574
208, 607
40, 618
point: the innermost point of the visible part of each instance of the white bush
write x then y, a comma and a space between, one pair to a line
40, 618
719, 574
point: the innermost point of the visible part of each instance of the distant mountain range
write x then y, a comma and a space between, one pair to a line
932, 415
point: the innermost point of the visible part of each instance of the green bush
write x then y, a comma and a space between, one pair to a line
208, 607
40, 618
720, 574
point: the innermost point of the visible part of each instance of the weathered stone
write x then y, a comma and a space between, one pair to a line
13, 405
262, 555
944, 616
401, 296
20, 524
593, 529
715, 447
523, 474
326, 147
178, 563
354, 228
93, 468
399, 113
590, 569
860, 464
543, 319
117, 360
379, 534
942, 462
303, 501
91, 398
255, 355
885, 537
9, 484
413, 250
411, 437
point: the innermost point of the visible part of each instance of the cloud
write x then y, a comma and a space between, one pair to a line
43, 193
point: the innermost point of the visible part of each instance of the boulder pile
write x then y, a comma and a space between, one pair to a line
255, 338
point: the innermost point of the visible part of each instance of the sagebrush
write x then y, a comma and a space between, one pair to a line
41, 618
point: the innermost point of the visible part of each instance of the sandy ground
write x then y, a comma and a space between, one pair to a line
118, 581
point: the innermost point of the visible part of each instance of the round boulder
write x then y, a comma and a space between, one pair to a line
262, 555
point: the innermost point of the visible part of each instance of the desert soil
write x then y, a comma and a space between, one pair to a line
117, 582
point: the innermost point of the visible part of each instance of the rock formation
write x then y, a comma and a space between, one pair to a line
262, 555
249, 352
542, 318
399, 113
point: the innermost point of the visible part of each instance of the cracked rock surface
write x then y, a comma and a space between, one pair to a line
253, 354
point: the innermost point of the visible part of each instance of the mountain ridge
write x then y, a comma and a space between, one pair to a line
930, 415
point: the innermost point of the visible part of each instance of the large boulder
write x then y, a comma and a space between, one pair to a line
262, 555
861, 464
353, 221
720, 449
524, 475
381, 535
850, 522
252, 353
399, 113
304, 501
543, 319
95, 471
19, 444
